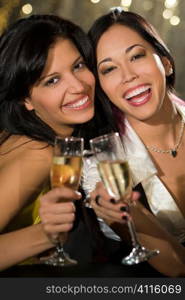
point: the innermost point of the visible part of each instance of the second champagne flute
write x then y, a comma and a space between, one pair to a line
115, 174
65, 171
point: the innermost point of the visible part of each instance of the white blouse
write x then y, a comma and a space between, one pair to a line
143, 171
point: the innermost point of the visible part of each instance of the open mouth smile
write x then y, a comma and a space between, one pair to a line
77, 105
139, 95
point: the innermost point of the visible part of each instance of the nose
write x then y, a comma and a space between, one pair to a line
75, 85
128, 75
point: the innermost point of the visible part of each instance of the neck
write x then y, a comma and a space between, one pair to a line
161, 130
64, 131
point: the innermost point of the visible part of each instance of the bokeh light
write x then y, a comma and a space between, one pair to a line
27, 9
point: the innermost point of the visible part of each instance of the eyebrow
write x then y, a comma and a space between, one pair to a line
126, 51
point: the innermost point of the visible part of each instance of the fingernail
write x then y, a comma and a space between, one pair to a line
123, 208
112, 200
78, 194
125, 218
97, 198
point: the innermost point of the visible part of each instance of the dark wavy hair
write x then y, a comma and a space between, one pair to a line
143, 28
24, 49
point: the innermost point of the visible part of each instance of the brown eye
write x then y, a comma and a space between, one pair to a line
79, 65
52, 81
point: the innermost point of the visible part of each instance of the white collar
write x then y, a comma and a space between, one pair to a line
141, 165
139, 160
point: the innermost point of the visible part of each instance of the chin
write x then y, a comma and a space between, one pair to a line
84, 119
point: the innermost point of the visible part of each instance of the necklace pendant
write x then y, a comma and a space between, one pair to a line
173, 153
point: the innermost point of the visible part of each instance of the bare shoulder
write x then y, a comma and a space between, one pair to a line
24, 169
37, 149
21, 147
22, 157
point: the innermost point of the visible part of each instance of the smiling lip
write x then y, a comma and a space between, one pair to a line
80, 104
139, 95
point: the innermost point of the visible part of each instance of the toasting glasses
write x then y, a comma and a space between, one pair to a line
115, 174
65, 171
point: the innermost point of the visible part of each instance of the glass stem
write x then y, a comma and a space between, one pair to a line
60, 250
133, 234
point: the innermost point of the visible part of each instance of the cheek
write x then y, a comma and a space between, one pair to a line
44, 105
90, 80
111, 91
159, 74
107, 86
155, 67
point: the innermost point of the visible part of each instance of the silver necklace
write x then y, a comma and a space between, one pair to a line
173, 151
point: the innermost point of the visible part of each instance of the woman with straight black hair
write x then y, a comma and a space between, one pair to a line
136, 75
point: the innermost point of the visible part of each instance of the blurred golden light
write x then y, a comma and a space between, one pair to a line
126, 3
170, 3
167, 14
6, 8
95, 1
175, 20
27, 9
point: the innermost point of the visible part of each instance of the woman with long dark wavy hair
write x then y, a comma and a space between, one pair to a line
47, 89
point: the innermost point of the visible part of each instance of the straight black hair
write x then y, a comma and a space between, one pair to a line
144, 29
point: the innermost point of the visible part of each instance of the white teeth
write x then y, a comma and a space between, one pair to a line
136, 92
138, 100
79, 103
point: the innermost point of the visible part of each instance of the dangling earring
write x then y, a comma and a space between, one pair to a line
170, 71
116, 11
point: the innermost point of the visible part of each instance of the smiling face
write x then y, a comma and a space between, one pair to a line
131, 73
64, 95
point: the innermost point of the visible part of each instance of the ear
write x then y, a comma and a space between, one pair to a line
167, 66
28, 104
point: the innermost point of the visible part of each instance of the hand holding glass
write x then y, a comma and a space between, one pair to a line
65, 171
115, 174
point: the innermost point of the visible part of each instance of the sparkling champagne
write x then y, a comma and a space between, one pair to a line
116, 177
66, 171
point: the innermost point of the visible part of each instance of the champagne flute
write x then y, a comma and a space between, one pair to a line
65, 171
115, 174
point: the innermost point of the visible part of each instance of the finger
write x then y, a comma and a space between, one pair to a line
107, 204
54, 229
59, 194
135, 196
57, 219
131, 199
100, 190
107, 213
56, 208
100, 185
122, 219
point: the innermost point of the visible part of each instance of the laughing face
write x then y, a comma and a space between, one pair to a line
64, 95
131, 73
